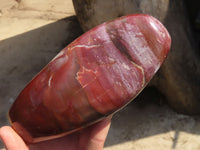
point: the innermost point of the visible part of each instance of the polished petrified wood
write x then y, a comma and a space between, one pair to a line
94, 76
179, 77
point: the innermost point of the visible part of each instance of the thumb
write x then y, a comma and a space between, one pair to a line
99, 134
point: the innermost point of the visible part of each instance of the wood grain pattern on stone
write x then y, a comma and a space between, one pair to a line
179, 77
94, 76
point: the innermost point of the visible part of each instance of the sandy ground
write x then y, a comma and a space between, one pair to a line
33, 32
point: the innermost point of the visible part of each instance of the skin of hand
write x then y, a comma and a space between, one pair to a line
90, 138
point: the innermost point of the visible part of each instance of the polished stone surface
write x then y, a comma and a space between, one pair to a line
94, 76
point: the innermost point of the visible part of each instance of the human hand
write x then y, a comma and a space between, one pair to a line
90, 138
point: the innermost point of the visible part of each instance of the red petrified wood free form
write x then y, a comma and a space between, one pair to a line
94, 76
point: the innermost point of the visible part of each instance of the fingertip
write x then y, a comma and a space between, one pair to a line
3, 132
105, 123
11, 139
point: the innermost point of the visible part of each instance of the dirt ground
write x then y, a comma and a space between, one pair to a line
33, 32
